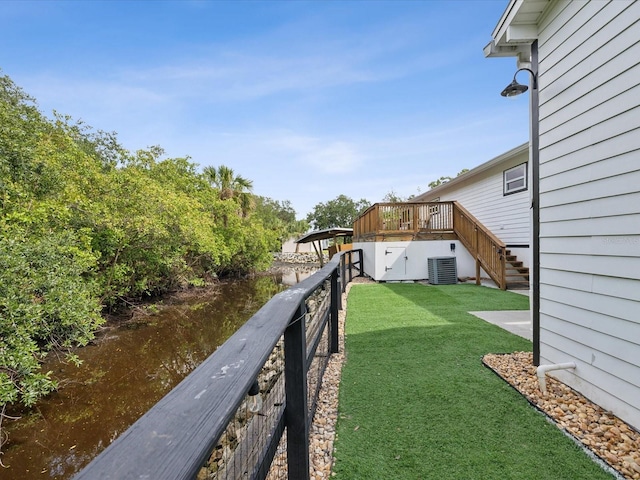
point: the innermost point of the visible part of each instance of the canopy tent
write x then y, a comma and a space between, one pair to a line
319, 235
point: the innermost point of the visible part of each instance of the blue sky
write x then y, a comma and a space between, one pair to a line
309, 99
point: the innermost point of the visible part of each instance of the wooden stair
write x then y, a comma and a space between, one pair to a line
517, 275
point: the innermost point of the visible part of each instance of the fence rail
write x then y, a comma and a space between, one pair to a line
206, 419
404, 219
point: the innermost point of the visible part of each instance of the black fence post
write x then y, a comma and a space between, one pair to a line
360, 263
343, 268
333, 309
296, 417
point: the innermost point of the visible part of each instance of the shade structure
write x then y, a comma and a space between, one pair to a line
318, 235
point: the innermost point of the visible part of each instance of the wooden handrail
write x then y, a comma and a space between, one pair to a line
487, 249
466, 212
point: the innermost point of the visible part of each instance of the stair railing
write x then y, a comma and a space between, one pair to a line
488, 250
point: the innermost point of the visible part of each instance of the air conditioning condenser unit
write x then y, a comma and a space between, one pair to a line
442, 270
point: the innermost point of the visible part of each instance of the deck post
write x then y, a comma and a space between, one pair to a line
414, 218
343, 273
333, 309
295, 370
503, 269
478, 282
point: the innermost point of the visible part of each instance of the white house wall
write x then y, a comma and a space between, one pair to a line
507, 216
589, 88
384, 261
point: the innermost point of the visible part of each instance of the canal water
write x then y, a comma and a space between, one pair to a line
127, 371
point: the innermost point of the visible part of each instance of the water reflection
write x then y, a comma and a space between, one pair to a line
123, 375
289, 275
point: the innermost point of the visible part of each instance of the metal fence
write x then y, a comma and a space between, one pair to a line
246, 411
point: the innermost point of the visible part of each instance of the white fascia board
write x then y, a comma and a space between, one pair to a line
516, 30
521, 51
505, 21
521, 34
492, 50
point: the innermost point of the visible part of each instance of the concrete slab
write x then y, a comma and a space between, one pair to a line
514, 321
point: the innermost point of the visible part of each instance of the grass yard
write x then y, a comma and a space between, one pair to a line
417, 403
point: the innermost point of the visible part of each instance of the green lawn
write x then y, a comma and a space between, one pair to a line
417, 403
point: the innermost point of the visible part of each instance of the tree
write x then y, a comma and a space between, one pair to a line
87, 225
48, 297
342, 211
280, 218
230, 186
442, 180
393, 197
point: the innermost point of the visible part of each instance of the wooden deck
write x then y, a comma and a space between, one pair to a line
386, 222
405, 221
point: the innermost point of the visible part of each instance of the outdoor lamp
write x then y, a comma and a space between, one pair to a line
515, 88
254, 403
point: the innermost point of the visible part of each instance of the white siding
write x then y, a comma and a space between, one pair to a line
507, 216
589, 81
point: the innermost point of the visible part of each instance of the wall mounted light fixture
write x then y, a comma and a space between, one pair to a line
515, 88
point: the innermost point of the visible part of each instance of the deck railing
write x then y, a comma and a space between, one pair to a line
429, 221
402, 219
487, 249
207, 420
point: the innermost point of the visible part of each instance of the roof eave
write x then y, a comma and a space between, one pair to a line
475, 171
516, 30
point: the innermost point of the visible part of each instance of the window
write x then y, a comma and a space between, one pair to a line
433, 209
515, 179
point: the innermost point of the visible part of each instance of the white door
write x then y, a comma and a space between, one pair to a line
395, 263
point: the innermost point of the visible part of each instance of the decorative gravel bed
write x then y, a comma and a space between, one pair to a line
601, 432
323, 429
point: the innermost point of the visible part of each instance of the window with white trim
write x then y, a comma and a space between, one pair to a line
515, 179
433, 209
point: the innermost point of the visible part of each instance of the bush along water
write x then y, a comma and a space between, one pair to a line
87, 226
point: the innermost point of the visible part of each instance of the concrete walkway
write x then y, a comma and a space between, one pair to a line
515, 321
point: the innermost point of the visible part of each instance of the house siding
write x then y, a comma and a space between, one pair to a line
589, 91
507, 216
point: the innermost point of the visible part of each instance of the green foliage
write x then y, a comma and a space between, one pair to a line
439, 182
442, 180
339, 212
393, 197
230, 186
46, 302
280, 219
87, 225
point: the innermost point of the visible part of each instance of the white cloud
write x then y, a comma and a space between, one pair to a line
323, 155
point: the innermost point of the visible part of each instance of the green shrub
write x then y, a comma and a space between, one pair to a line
46, 303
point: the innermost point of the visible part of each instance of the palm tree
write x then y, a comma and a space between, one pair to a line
230, 186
